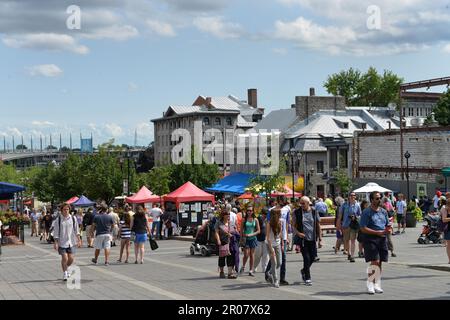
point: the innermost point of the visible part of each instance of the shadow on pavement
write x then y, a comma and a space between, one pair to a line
49, 281
340, 293
241, 286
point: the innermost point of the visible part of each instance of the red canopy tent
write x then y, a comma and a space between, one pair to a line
247, 196
72, 200
286, 193
143, 196
189, 192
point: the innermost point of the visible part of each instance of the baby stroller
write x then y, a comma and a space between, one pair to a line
205, 241
430, 232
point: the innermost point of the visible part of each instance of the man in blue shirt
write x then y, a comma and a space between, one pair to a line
375, 226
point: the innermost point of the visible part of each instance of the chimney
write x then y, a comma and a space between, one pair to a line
208, 101
253, 98
312, 92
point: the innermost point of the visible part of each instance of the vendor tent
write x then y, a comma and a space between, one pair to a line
83, 202
247, 196
7, 190
72, 200
189, 192
235, 183
143, 196
371, 187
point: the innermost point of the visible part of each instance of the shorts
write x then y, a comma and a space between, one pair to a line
339, 234
90, 231
102, 241
140, 238
401, 218
70, 250
251, 243
447, 235
375, 248
350, 234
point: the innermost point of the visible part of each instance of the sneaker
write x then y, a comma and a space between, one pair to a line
377, 288
256, 270
284, 283
308, 283
302, 272
360, 255
106, 264
276, 285
66, 276
393, 255
251, 274
370, 288
94, 261
352, 259
317, 259
222, 275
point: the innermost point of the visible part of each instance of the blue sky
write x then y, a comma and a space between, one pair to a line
131, 59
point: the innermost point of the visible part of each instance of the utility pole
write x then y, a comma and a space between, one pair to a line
71, 141
41, 142
60, 142
31, 143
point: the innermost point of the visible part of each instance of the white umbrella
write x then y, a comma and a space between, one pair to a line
371, 187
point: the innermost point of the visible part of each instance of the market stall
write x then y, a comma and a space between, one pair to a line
12, 229
234, 184
72, 200
189, 205
83, 202
369, 188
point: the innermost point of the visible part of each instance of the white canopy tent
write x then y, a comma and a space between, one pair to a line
371, 187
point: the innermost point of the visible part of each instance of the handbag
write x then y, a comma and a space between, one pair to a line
153, 244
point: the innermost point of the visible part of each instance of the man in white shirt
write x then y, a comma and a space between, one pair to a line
401, 212
156, 214
67, 237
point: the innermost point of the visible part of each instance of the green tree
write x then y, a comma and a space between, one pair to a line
45, 184
442, 110
21, 147
8, 173
366, 89
157, 180
343, 181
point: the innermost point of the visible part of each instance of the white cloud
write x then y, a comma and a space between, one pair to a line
46, 41
14, 132
116, 32
114, 130
42, 123
132, 86
161, 28
218, 27
446, 48
46, 70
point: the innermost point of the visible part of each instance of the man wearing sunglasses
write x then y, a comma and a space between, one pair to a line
375, 226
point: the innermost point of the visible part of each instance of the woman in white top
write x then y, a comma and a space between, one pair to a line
273, 240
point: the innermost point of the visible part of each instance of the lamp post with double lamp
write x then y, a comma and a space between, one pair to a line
407, 156
293, 154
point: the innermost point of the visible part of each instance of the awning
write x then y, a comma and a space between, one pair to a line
143, 196
83, 202
235, 183
189, 192
7, 190
72, 200
446, 172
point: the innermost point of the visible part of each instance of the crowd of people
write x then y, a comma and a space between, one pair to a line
264, 239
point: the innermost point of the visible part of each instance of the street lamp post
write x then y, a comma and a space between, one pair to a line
293, 154
407, 156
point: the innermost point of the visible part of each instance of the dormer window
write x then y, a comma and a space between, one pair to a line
364, 126
217, 122
206, 121
345, 125
229, 121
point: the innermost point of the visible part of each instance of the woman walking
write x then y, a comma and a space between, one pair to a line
223, 235
125, 236
274, 245
140, 226
250, 229
445, 216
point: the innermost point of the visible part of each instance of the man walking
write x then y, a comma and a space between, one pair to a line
285, 217
156, 214
67, 235
103, 224
348, 223
375, 227
401, 212
34, 223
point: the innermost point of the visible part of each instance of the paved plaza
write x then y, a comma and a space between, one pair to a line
33, 272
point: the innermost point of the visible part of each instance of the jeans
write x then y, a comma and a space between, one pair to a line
283, 263
275, 262
156, 224
309, 252
234, 249
261, 255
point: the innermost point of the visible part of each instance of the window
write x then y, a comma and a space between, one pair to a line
229, 121
206, 121
319, 166
364, 126
345, 125
343, 158
217, 122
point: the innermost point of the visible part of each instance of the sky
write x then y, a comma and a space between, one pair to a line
113, 65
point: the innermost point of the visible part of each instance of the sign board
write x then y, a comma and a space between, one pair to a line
194, 217
421, 189
184, 215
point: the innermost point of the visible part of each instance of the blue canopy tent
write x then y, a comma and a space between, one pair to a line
7, 190
234, 184
83, 202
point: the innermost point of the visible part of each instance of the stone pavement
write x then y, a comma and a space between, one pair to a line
33, 272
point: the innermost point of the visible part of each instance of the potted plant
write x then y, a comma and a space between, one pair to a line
413, 214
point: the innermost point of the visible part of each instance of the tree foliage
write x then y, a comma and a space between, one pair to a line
442, 110
343, 181
370, 88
